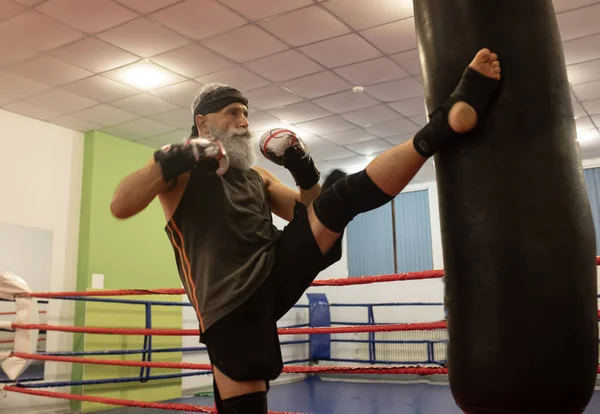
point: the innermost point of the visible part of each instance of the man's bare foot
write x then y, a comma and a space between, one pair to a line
486, 63
462, 117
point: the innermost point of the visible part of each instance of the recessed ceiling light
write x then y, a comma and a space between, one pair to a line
144, 76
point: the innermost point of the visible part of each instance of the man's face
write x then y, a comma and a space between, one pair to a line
230, 126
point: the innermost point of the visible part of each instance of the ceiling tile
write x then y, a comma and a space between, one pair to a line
321, 150
349, 137
284, 66
349, 164
14, 87
240, 45
292, 28
271, 97
409, 61
410, 107
170, 137
100, 89
48, 33
370, 147
76, 124
388, 129
179, 118
237, 77
420, 120
596, 119
182, 94
94, 55
393, 37
144, 38
582, 50
365, 14
9, 8
587, 91
584, 72
327, 125
396, 90
105, 115
144, 104
345, 102
142, 128
261, 121
260, 9
333, 52
50, 71
564, 5
61, 101
592, 107
32, 111
147, 6
87, 16
319, 84
11, 52
300, 112
129, 75
579, 23
192, 61
399, 139
29, 2
583, 123
198, 19
372, 115
578, 110
372, 71
146, 142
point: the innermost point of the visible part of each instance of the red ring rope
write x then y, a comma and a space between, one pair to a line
111, 401
363, 280
208, 367
429, 274
120, 402
194, 332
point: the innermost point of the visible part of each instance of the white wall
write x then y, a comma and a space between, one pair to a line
40, 184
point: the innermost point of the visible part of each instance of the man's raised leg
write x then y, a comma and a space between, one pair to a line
387, 175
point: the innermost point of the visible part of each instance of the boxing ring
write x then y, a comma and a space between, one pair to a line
392, 365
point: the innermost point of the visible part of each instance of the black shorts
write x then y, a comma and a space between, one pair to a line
244, 344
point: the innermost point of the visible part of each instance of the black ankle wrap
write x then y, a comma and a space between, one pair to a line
476, 90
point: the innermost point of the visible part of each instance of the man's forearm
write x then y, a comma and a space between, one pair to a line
310, 195
136, 191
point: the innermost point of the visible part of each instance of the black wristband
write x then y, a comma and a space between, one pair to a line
174, 160
302, 167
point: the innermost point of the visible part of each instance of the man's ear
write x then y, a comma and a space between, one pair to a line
201, 124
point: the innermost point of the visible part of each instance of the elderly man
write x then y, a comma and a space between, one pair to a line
240, 272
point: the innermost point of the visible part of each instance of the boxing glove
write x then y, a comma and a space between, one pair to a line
176, 159
285, 148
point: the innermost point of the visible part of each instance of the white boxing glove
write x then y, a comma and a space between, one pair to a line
284, 147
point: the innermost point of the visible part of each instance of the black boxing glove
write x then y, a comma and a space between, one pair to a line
284, 147
176, 159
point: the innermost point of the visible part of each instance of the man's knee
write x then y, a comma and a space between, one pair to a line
346, 197
254, 403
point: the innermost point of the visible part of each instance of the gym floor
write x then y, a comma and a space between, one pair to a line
328, 397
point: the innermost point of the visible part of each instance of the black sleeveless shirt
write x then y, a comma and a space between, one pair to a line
223, 238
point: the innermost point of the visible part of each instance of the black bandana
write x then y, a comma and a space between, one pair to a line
215, 101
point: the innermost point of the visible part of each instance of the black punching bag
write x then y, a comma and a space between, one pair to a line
517, 231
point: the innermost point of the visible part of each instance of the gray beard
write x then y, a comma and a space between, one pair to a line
239, 146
